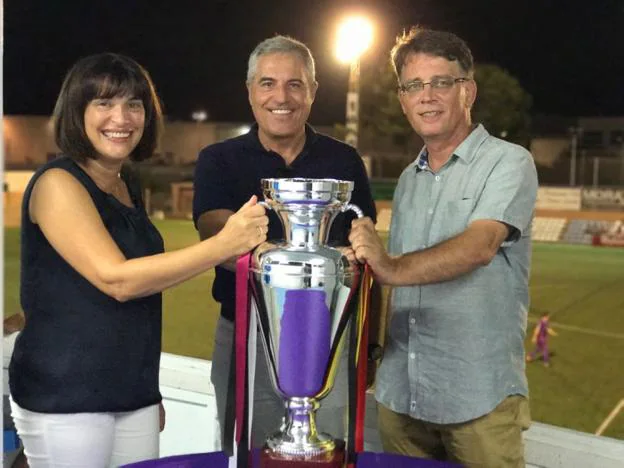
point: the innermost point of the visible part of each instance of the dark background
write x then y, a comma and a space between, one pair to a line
568, 54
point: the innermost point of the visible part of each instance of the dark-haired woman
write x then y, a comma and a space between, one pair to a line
84, 372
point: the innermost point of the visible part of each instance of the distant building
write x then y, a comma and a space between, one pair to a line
598, 158
588, 151
29, 140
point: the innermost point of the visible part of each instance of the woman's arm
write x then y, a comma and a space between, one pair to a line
64, 211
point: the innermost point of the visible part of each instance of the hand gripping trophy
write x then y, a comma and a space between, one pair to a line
305, 293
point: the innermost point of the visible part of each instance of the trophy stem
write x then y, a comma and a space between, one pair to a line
298, 435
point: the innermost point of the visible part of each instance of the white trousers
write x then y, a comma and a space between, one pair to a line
87, 440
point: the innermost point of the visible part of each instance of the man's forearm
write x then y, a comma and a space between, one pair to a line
442, 262
448, 260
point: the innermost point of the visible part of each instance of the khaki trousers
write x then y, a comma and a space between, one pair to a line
491, 441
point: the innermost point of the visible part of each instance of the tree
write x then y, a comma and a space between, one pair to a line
502, 104
381, 116
380, 111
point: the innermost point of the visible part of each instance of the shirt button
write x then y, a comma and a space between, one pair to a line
412, 321
430, 211
437, 178
413, 355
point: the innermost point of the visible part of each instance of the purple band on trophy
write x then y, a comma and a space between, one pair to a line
304, 343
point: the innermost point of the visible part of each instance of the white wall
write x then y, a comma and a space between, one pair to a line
188, 398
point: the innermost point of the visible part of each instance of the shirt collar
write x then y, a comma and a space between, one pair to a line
468, 148
422, 161
465, 151
253, 141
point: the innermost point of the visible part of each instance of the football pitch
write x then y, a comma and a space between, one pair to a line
581, 287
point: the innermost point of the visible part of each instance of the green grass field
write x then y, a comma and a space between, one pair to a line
581, 287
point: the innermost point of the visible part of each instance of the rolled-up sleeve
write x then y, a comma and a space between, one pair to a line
510, 192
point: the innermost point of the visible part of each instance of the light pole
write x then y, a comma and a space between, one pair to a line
199, 116
575, 132
355, 35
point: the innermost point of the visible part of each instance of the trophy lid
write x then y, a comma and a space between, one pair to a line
307, 191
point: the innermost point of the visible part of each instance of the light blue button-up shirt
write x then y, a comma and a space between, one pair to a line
455, 349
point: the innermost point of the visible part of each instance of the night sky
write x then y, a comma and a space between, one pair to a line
568, 54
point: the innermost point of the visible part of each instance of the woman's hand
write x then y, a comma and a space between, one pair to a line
245, 229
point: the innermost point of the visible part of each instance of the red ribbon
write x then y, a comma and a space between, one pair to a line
242, 330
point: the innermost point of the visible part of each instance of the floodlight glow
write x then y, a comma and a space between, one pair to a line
199, 115
355, 35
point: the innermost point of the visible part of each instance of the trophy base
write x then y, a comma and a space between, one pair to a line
333, 459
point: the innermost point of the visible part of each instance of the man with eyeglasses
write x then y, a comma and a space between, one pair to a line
452, 383
281, 86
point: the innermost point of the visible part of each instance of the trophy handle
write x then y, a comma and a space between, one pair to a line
353, 207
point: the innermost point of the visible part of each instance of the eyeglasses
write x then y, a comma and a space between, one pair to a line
441, 83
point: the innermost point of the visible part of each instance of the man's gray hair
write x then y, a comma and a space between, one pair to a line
281, 45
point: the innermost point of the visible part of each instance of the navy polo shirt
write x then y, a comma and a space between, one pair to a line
228, 173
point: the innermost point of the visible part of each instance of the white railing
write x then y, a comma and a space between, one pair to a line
192, 427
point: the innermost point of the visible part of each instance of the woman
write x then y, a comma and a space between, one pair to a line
84, 372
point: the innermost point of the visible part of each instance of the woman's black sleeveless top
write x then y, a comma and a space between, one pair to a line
81, 350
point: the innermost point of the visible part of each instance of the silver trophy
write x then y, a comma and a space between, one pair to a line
302, 289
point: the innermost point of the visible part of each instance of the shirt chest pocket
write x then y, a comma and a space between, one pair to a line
452, 219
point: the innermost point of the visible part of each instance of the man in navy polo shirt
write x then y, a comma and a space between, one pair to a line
281, 85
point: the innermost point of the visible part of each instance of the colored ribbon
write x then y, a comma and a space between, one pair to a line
240, 346
358, 356
362, 356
